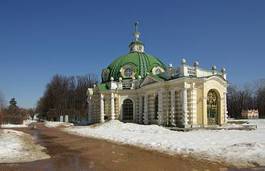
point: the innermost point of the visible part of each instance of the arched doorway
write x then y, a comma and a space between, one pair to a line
127, 110
213, 106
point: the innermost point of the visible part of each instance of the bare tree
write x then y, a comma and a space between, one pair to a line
14, 114
239, 99
66, 96
260, 97
2, 101
1, 118
31, 112
2, 104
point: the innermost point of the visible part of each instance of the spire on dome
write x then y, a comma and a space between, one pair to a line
136, 34
136, 45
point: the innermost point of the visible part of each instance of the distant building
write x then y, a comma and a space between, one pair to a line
140, 88
250, 114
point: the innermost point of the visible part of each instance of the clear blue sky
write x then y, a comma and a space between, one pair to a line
39, 38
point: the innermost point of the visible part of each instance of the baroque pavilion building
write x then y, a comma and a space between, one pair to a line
140, 88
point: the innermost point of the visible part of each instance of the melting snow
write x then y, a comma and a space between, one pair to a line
234, 147
51, 124
25, 124
16, 146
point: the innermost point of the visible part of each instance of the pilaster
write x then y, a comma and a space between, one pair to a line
146, 121
90, 111
140, 109
112, 106
193, 109
173, 107
160, 107
102, 108
225, 108
184, 106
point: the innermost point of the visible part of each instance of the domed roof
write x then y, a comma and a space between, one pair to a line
135, 64
140, 64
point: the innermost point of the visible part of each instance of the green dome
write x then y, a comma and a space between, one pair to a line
139, 63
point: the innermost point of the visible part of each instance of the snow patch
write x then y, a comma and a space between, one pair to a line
234, 147
25, 124
51, 124
17, 146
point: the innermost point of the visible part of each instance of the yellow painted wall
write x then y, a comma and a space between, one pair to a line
200, 105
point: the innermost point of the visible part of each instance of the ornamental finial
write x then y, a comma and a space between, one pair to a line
136, 45
136, 26
136, 33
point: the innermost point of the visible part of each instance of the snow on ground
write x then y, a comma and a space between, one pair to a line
259, 122
52, 124
234, 147
26, 123
16, 146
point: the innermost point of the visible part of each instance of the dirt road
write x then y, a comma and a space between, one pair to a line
71, 152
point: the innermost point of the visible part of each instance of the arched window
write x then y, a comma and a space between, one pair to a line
127, 110
212, 107
156, 107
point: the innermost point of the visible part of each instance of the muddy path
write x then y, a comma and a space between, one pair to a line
71, 152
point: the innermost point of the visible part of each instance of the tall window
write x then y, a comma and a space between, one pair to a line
127, 110
115, 105
212, 107
156, 107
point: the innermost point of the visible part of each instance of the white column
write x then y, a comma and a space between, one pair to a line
112, 106
102, 108
140, 109
184, 107
173, 106
204, 116
66, 118
160, 107
61, 118
225, 108
194, 104
146, 109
